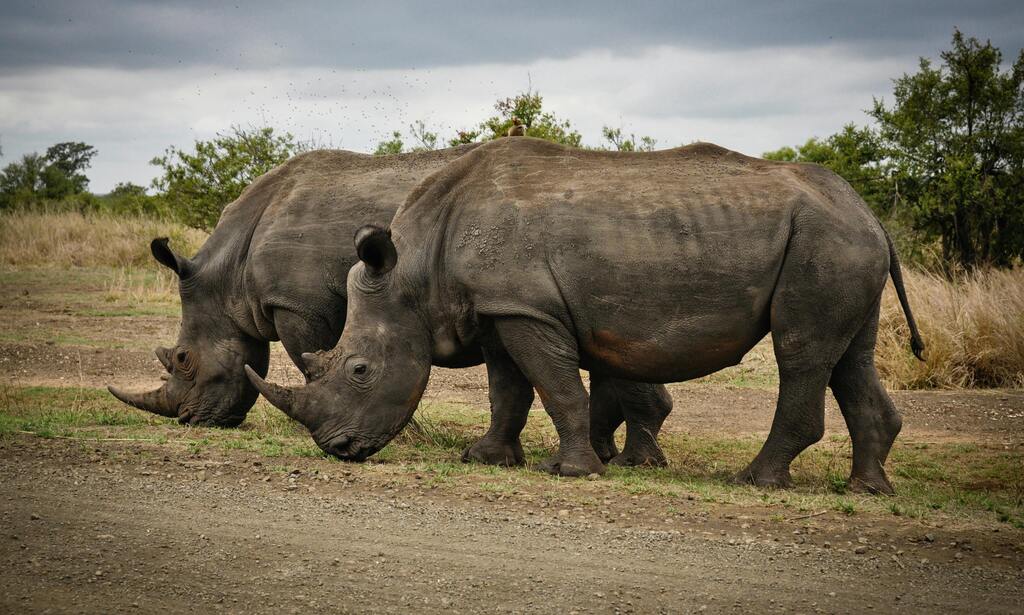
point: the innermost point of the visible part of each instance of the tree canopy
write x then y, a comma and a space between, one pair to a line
199, 184
57, 174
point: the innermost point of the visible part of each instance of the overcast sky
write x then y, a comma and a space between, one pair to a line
132, 78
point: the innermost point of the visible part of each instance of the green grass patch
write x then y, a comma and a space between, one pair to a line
933, 480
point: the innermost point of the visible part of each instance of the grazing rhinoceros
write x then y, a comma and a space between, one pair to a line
656, 267
274, 269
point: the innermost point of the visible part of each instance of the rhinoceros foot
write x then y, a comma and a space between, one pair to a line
876, 484
605, 448
574, 463
640, 458
770, 478
492, 451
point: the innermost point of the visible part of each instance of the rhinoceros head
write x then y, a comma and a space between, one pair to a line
205, 382
365, 390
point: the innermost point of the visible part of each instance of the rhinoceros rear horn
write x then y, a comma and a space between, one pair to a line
375, 249
313, 361
164, 355
166, 257
281, 397
151, 401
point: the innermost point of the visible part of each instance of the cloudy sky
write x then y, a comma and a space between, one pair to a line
132, 78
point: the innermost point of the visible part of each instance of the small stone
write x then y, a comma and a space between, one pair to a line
34, 517
593, 476
929, 537
861, 550
564, 512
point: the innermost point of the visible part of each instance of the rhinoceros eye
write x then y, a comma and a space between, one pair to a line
359, 369
184, 364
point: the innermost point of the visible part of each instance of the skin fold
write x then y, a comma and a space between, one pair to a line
649, 267
274, 269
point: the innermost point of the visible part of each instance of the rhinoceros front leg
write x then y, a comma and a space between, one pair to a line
511, 396
550, 361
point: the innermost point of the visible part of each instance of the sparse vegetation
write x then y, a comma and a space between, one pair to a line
973, 326
72, 239
938, 481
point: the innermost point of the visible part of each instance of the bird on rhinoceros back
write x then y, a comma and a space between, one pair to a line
652, 267
274, 269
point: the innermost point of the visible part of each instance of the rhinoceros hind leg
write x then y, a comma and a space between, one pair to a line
606, 416
870, 415
645, 407
820, 303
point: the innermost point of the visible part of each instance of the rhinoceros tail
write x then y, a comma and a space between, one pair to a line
916, 343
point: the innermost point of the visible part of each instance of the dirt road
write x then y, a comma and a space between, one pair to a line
119, 524
109, 527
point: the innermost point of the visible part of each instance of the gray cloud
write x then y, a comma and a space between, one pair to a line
383, 34
134, 78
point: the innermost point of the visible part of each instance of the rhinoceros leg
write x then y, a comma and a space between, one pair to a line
870, 415
511, 396
644, 408
822, 299
605, 417
550, 361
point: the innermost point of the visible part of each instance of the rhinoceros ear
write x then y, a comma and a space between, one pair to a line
166, 257
375, 249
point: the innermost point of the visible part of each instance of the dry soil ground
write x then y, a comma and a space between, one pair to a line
105, 510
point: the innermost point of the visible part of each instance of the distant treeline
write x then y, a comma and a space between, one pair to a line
942, 166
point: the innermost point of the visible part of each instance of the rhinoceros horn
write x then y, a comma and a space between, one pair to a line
164, 355
281, 397
313, 361
151, 401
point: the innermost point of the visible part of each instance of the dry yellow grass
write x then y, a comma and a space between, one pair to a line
71, 239
973, 328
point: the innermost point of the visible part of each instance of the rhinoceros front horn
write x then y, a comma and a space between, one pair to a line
281, 397
151, 401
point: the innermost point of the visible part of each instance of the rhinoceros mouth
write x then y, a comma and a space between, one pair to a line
350, 448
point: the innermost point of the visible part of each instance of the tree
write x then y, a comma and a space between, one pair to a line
198, 185
528, 107
392, 146
427, 140
131, 199
21, 182
856, 154
64, 174
622, 144
56, 175
955, 138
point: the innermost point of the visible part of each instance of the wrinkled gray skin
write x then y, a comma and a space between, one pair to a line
272, 270
656, 267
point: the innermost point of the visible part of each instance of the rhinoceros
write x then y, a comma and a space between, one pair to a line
653, 267
274, 269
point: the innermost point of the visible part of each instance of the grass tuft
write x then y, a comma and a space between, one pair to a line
71, 239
